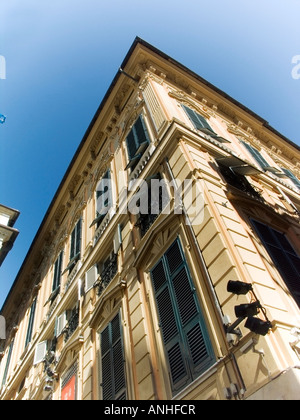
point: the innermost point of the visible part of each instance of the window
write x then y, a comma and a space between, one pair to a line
103, 198
292, 177
187, 345
257, 156
30, 323
57, 275
69, 384
75, 249
198, 121
112, 361
40, 352
201, 124
76, 241
283, 255
9, 354
239, 181
153, 200
137, 141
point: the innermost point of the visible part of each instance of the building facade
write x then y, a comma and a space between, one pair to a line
167, 265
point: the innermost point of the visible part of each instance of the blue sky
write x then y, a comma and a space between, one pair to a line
61, 57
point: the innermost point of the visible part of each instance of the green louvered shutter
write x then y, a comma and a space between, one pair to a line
284, 256
30, 322
186, 340
113, 369
57, 272
76, 240
292, 177
138, 138
198, 121
256, 155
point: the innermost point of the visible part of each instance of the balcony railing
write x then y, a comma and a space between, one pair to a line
108, 273
72, 325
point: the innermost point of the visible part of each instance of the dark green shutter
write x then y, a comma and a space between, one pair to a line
113, 369
138, 138
187, 345
78, 237
10, 350
57, 272
256, 155
30, 323
104, 196
284, 256
198, 121
292, 177
131, 146
76, 241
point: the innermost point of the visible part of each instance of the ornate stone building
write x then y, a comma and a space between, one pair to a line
197, 298
8, 233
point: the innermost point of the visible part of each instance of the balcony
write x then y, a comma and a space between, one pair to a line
72, 324
108, 273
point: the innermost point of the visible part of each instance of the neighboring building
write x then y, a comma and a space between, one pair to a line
114, 304
8, 234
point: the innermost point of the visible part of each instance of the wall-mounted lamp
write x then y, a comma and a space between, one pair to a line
238, 287
258, 326
247, 310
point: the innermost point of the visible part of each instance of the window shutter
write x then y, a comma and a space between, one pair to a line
7, 364
113, 372
117, 239
185, 337
256, 155
78, 237
60, 324
198, 121
138, 139
141, 135
57, 272
131, 146
30, 323
284, 256
75, 248
292, 177
40, 352
90, 278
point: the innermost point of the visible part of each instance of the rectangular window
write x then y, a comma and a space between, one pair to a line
57, 273
30, 323
152, 201
292, 177
76, 241
75, 248
198, 121
112, 361
103, 198
187, 345
285, 258
69, 384
137, 141
10, 350
257, 156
